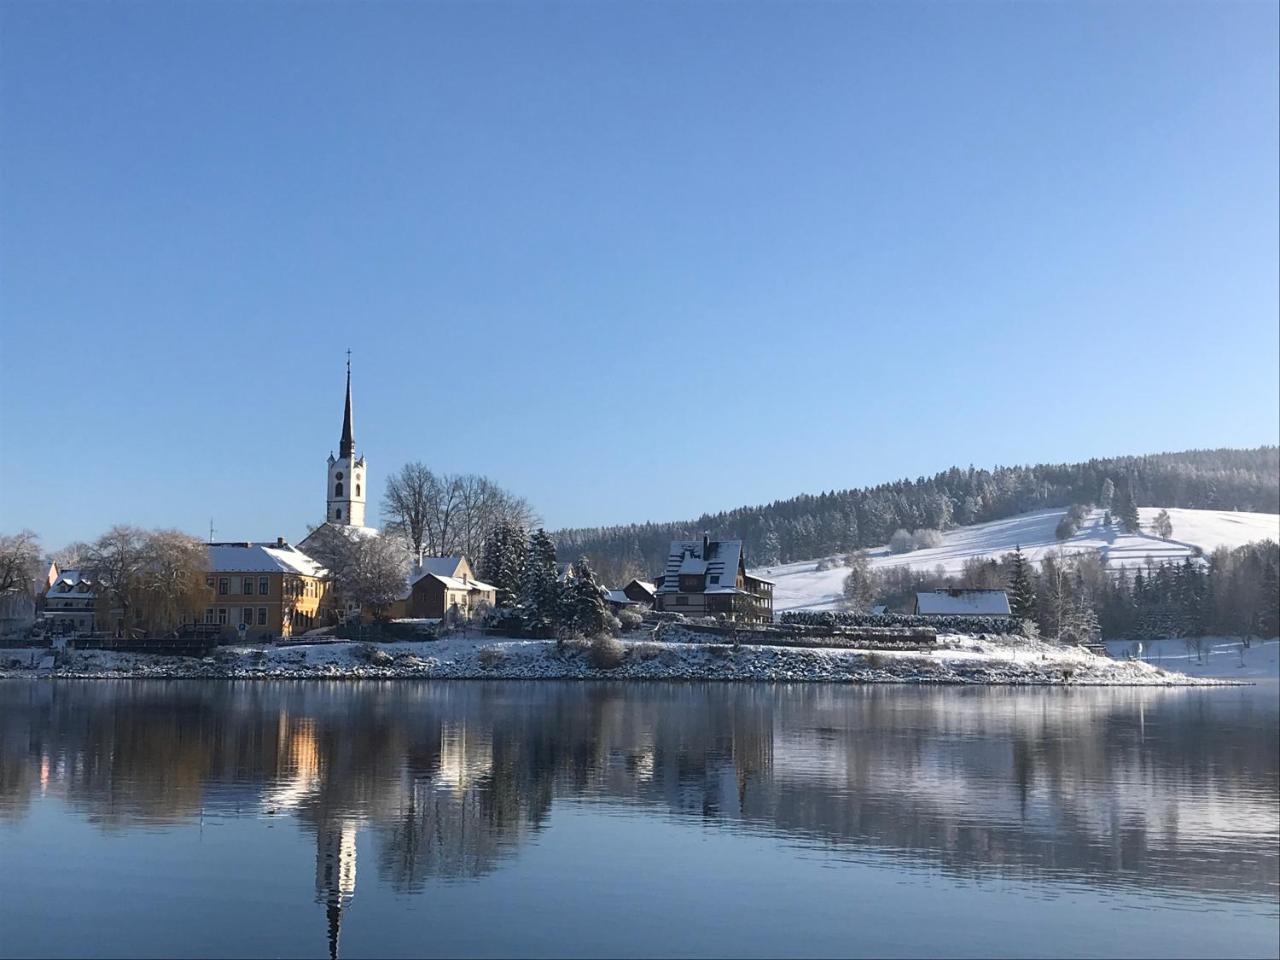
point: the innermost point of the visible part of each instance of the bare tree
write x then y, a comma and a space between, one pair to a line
173, 584
407, 504
118, 561
19, 562
375, 577
71, 556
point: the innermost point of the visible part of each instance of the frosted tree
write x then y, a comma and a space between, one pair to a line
859, 583
1107, 494
1162, 526
19, 561
540, 592
1128, 509
1022, 591
901, 542
584, 609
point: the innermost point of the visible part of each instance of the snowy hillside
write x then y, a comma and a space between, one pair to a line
800, 586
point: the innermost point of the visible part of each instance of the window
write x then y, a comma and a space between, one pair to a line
224, 586
246, 615
222, 616
208, 582
264, 586
337, 513
247, 586
715, 577
208, 615
338, 475
262, 616
357, 490
337, 489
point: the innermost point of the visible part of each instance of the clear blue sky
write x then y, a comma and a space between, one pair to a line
633, 261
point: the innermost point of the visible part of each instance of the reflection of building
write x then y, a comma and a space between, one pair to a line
335, 873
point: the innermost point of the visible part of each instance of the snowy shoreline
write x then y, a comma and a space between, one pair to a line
959, 660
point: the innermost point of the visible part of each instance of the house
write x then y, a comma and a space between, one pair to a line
272, 589
640, 591
618, 600
70, 603
955, 602
443, 587
710, 579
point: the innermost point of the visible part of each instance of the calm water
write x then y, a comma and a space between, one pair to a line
298, 819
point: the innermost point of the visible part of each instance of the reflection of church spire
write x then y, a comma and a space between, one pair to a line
335, 873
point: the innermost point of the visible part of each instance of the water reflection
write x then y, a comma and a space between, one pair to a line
1169, 789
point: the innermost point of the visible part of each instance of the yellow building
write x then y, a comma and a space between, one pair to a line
265, 590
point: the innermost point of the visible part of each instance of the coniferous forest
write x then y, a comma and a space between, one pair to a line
840, 521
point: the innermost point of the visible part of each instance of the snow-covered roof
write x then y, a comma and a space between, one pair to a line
963, 603
269, 557
687, 557
72, 579
440, 566
644, 585
617, 596
453, 583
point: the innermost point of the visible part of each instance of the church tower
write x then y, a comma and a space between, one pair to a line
346, 494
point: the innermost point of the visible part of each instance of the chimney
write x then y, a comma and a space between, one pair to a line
279, 541
706, 543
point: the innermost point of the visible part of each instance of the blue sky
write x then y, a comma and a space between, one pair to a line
631, 261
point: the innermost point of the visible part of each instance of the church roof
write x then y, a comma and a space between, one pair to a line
347, 445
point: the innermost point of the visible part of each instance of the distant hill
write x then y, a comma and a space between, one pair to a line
820, 525
800, 585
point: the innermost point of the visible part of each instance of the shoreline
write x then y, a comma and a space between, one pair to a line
959, 660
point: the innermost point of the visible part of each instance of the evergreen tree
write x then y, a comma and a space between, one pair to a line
1022, 591
502, 565
540, 593
859, 584
1128, 510
584, 608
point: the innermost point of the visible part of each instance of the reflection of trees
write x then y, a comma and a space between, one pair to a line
1171, 787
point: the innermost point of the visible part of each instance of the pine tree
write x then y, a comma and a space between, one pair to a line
859, 583
540, 593
1128, 511
1022, 592
1107, 494
502, 565
584, 609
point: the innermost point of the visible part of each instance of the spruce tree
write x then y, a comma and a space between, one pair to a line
1022, 592
584, 608
1128, 511
540, 593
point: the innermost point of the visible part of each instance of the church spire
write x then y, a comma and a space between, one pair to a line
347, 445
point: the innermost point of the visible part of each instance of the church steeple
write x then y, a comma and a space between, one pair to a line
346, 481
347, 445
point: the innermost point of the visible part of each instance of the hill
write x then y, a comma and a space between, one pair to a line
800, 585
818, 525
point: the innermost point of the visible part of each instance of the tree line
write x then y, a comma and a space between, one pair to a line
837, 522
1076, 598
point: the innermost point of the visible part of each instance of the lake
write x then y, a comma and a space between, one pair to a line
193, 818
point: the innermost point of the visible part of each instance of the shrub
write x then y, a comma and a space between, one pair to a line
828, 619
630, 620
926, 537
646, 651
829, 563
901, 542
606, 652
876, 661
720, 651
492, 657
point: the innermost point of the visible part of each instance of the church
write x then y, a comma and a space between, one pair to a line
346, 486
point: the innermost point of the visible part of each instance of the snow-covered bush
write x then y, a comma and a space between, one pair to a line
926, 537
829, 563
606, 652
645, 651
630, 620
831, 619
901, 542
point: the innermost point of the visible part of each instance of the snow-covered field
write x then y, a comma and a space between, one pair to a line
958, 659
801, 586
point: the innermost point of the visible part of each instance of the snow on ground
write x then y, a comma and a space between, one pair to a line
1223, 658
985, 659
801, 586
